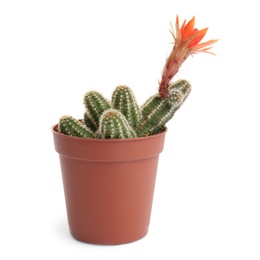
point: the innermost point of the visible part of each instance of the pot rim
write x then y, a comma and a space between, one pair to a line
55, 131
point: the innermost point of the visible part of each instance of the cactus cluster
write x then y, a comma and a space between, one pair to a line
122, 117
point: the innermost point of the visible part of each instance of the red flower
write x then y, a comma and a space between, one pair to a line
186, 42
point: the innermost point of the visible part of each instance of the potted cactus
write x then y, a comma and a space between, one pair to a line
109, 157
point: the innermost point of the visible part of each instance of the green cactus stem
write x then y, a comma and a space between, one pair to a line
89, 123
157, 111
113, 125
95, 105
182, 86
124, 100
71, 126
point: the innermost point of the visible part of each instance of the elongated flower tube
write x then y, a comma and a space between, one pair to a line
187, 41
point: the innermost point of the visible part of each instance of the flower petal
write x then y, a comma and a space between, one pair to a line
205, 51
178, 32
172, 32
197, 39
203, 44
187, 29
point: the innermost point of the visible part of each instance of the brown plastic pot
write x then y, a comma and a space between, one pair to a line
108, 185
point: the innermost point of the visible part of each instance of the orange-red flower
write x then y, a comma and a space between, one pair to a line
186, 42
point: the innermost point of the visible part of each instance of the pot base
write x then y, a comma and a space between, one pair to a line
109, 239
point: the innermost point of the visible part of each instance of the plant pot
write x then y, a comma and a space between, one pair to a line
108, 185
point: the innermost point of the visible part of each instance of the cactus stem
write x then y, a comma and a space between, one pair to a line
71, 126
124, 101
113, 124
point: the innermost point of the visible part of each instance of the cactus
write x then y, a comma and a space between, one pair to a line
122, 118
114, 125
125, 119
95, 105
157, 111
71, 126
124, 100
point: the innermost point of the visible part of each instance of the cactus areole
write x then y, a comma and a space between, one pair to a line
109, 157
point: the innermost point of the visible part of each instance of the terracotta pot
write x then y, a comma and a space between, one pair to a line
108, 185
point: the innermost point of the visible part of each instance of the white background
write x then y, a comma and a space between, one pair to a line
207, 197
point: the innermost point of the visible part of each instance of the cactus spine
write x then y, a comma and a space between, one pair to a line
95, 105
71, 126
157, 111
113, 124
124, 101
